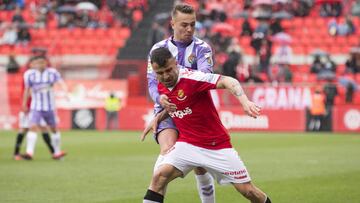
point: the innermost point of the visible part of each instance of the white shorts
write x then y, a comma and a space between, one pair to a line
224, 165
24, 120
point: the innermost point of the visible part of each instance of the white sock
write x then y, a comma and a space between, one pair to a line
206, 188
56, 142
158, 162
30, 142
148, 201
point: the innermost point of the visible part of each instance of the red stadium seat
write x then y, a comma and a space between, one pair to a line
298, 78
298, 49
339, 100
357, 78
353, 40
124, 33
340, 69
356, 98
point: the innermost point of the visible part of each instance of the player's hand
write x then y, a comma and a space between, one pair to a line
166, 104
251, 109
151, 126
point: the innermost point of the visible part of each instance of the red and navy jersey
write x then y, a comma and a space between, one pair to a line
196, 117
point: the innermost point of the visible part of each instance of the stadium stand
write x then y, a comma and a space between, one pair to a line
111, 28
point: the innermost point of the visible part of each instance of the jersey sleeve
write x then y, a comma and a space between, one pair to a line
151, 78
57, 75
152, 84
205, 60
27, 82
202, 81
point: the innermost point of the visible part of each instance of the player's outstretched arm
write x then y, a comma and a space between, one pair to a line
64, 88
235, 88
154, 123
25, 99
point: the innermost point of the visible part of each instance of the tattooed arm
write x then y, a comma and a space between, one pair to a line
235, 88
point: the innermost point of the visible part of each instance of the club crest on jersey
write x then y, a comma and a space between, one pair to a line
192, 59
181, 95
208, 57
149, 67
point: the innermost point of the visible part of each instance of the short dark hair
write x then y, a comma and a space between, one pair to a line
160, 56
182, 8
37, 57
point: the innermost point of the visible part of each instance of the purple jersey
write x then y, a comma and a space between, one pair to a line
196, 55
41, 85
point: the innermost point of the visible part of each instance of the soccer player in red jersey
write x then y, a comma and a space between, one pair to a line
203, 140
193, 53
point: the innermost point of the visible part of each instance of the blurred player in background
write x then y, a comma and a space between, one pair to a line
24, 117
39, 82
203, 140
193, 53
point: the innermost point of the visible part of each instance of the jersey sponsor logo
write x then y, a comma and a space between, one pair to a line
233, 173
181, 95
192, 59
181, 113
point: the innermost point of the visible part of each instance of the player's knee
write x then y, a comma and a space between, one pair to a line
199, 171
160, 179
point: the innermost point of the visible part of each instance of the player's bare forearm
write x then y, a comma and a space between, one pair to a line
162, 116
235, 88
154, 123
25, 98
63, 86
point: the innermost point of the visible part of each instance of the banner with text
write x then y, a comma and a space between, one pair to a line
284, 97
89, 93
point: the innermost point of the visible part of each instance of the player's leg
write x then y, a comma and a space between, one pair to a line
177, 163
49, 118
23, 129
160, 180
166, 136
227, 166
205, 185
31, 135
46, 137
252, 193
18, 142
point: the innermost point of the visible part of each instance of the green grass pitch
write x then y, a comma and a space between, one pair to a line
111, 167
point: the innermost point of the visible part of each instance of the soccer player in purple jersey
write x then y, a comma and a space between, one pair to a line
190, 52
39, 82
24, 127
203, 140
